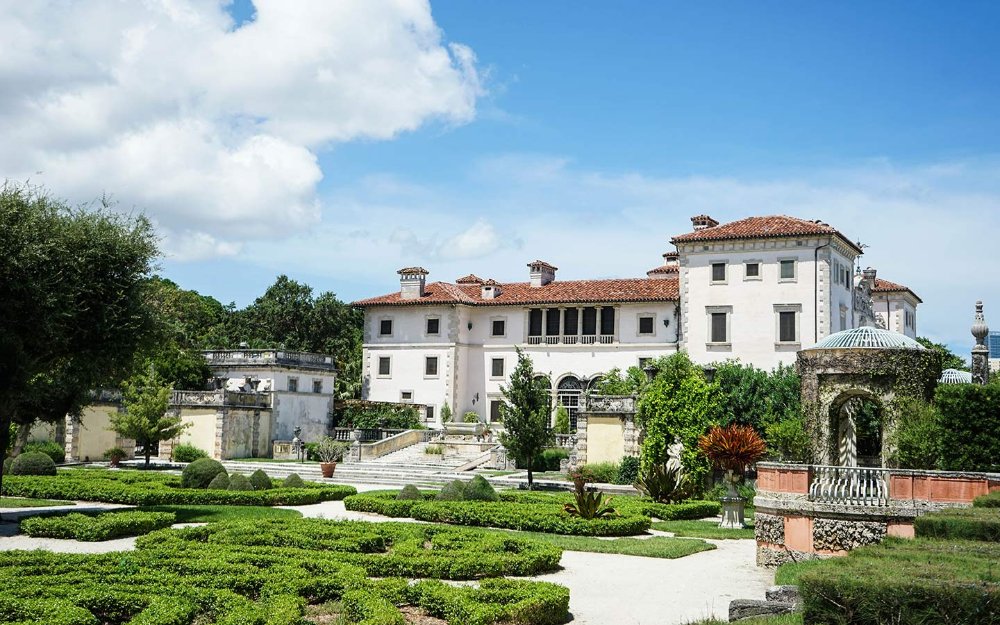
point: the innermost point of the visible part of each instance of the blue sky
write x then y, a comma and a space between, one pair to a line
561, 129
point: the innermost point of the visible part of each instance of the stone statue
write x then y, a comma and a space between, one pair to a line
674, 456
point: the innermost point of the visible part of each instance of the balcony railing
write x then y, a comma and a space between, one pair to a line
235, 399
256, 357
572, 339
854, 486
611, 404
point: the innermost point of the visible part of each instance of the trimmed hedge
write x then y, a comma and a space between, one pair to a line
987, 501
145, 488
188, 453
264, 573
91, 528
240, 483
906, 582
201, 472
624, 504
260, 480
959, 523
219, 482
51, 449
32, 463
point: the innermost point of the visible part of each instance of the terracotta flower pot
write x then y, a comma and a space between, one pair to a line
113, 463
327, 468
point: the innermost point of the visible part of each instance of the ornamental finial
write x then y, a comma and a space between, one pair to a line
979, 328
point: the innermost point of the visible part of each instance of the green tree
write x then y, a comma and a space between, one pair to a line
562, 420
949, 360
678, 405
915, 440
525, 411
754, 397
614, 383
73, 298
145, 420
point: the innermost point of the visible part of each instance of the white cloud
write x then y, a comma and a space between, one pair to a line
478, 240
215, 131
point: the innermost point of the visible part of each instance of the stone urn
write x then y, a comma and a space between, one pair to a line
327, 468
732, 505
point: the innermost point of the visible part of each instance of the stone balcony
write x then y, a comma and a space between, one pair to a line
572, 339
220, 398
269, 358
608, 404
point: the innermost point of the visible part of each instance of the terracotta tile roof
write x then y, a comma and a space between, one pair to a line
469, 279
884, 286
664, 269
413, 270
522, 293
543, 265
771, 226
491, 282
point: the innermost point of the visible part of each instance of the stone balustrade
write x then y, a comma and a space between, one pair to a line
271, 357
608, 404
219, 398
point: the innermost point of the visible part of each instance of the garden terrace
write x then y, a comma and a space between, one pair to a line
270, 571
269, 358
143, 488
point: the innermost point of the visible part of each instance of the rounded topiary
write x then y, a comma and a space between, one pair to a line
480, 490
260, 480
219, 482
51, 449
452, 491
188, 453
240, 482
293, 481
201, 472
32, 463
409, 493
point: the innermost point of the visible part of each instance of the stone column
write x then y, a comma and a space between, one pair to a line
980, 353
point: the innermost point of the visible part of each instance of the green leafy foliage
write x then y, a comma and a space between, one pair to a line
409, 493
240, 482
615, 383
917, 436
369, 415
525, 411
589, 505
145, 419
32, 463
188, 453
470, 417
960, 524
260, 480
562, 420
92, 528
788, 441
50, 448
949, 360
115, 454
265, 571
678, 405
146, 488
478, 489
219, 482
201, 472
628, 470
446, 414
452, 491
663, 483
551, 459
293, 481
970, 426
600, 472
329, 449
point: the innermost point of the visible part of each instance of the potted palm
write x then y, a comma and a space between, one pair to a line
732, 449
330, 452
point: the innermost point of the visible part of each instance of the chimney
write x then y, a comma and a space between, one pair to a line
700, 222
541, 273
669, 269
411, 282
490, 289
868, 275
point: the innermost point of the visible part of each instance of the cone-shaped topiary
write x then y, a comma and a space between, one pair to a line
480, 490
201, 472
32, 463
452, 491
219, 482
240, 482
260, 480
409, 493
293, 481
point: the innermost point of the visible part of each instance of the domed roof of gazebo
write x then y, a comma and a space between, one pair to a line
954, 376
867, 337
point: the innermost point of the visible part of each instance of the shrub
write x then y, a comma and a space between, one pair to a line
745, 490
970, 438
293, 481
115, 454
409, 493
470, 417
452, 491
664, 483
32, 463
480, 490
551, 458
260, 480
240, 482
331, 450
446, 413
96, 528
201, 472
434, 450
219, 482
788, 441
6, 465
50, 448
733, 447
628, 470
684, 511
562, 420
589, 505
957, 523
601, 472
188, 453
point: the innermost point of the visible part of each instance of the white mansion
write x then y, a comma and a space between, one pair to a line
758, 289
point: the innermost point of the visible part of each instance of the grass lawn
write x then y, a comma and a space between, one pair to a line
26, 502
212, 514
702, 529
655, 547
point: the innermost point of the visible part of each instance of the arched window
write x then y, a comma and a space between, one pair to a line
570, 388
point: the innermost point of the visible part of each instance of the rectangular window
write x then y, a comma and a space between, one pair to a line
786, 327
552, 322
719, 329
786, 269
384, 365
752, 270
646, 325
498, 327
317, 386
607, 320
293, 385
496, 368
406, 397
495, 411
385, 327
431, 366
644, 362
570, 321
429, 416
433, 326
843, 320
535, 322
718, 272
589, 321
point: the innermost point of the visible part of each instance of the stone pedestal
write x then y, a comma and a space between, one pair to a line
733, 513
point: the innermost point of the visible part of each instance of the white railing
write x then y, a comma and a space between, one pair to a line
588, 339
571, 339
244, 357
551, 340
534, 340
855, 486
607, 339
